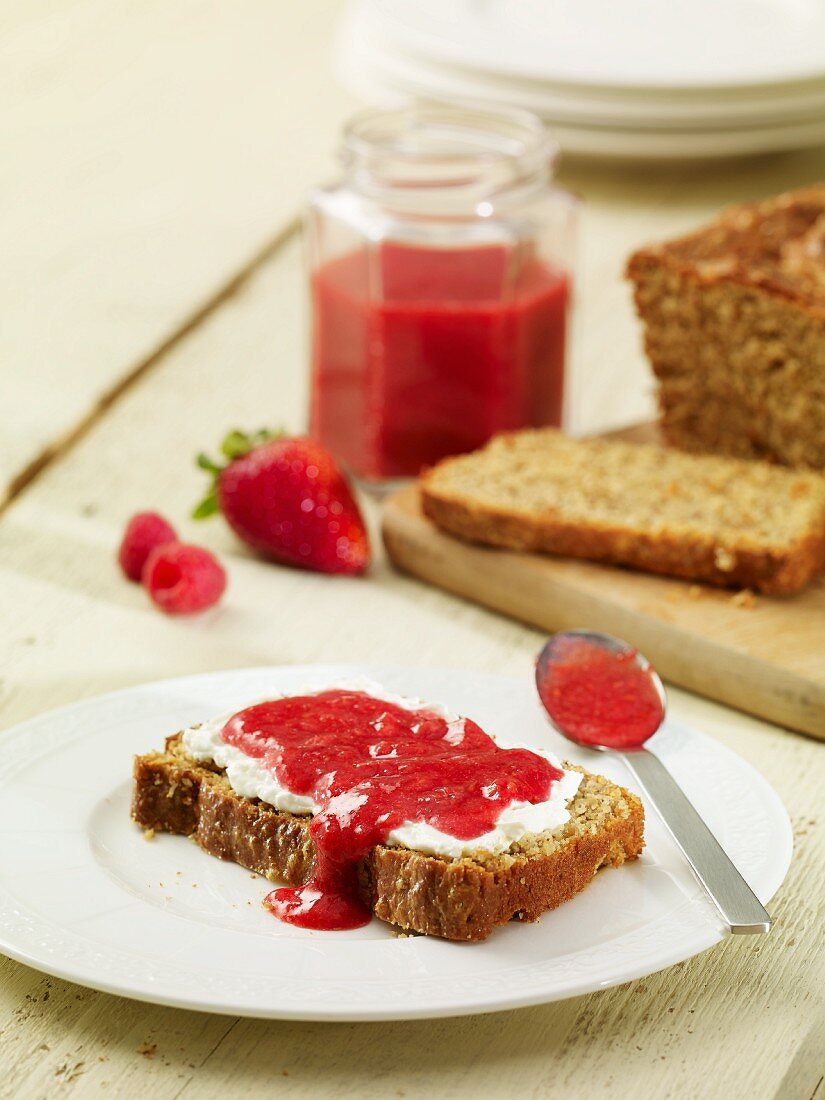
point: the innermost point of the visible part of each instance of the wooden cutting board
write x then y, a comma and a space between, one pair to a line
766, 657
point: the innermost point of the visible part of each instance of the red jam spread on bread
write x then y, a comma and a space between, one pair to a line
370, 766
600, 697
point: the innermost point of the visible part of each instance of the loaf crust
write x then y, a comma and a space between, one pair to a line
461, 899
473, 497
772, 572
734, 327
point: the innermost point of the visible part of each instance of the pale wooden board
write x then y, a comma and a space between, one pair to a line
152, 149
737, 1022
767, 659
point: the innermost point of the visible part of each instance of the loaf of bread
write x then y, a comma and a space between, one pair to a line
734, 327
720, 520
457, 899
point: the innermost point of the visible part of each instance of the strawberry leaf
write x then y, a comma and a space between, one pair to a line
206, 463
207, 507
235, 445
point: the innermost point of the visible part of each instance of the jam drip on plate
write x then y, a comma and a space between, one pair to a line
370, 766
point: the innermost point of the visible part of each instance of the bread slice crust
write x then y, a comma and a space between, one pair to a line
460, 497
455, 899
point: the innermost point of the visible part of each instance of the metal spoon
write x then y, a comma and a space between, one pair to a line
738, 906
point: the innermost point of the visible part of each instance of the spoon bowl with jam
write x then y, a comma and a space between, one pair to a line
601, 693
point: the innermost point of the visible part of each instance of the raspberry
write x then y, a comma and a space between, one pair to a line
143, 533
182, 579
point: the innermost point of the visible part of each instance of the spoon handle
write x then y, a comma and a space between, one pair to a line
738, 905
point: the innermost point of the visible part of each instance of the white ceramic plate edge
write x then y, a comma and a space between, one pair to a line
702, 937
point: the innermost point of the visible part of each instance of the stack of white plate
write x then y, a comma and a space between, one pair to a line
621, 78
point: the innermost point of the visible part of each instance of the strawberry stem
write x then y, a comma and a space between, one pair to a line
235, 445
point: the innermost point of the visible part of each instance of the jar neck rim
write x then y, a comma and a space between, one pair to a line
447, 155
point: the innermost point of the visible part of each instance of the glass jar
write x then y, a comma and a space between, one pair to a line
440, 272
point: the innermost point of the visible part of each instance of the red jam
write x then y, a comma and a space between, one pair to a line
420, 353
599, 697
370, 766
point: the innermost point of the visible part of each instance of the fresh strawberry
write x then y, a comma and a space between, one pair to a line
288, 500
143, 533
182, 579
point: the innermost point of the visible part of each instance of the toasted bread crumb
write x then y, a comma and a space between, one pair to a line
745, 598
148, 834
723, 559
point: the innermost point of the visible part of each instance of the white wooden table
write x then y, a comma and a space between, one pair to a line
151, 298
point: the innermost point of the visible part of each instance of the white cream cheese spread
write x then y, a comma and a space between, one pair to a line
249, 779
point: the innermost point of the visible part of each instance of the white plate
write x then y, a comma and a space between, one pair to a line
358, 50
380, 84
633, 122
601, 43
84, 896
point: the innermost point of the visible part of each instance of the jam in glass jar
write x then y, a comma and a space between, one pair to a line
440, 287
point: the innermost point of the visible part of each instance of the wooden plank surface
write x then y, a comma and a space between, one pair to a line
737, 1022
153, 149
765, 656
